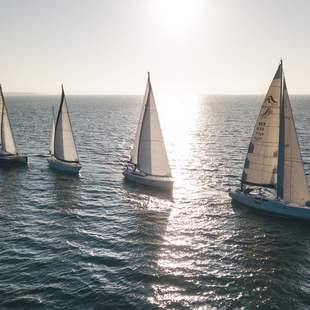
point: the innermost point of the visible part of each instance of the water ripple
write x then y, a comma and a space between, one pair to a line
98, 242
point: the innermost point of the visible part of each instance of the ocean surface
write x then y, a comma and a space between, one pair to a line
97, 242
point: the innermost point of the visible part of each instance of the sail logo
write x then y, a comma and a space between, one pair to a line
268, 105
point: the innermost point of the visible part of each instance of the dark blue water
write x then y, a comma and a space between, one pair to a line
96, 242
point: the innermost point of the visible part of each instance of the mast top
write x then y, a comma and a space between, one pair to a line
281, 65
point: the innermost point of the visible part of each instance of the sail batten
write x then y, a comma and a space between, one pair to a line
149, 153
64, 144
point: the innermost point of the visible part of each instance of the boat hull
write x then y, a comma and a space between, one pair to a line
273, 206
13, 159
72, 168
164, 183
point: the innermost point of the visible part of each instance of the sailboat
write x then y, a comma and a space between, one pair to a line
8, 152
149, 163
273, 178
63, 153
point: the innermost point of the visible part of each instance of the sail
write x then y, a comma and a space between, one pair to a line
7, 138
52, 134
1, 112
260, 166
295, 186
152, 155
134, 152
64, 145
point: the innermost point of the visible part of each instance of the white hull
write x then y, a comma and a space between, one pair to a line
13, 159
63, 166
273, 206
165, 183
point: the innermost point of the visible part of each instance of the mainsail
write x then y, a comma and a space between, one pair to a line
260, 166
295, 186
134, 152
64, 145
52, 134
149, 152
7, 138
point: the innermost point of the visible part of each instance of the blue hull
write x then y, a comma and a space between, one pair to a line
273, 206
13, 160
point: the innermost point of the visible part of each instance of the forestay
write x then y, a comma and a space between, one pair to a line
261, 162
64, 145
295, 187
152, 156
7, 138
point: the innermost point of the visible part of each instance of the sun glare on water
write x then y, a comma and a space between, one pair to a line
179, 119
178, 114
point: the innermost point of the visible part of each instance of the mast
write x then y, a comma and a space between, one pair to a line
281, 152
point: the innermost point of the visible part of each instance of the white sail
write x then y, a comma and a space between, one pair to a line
295, 186
261, 162
1, 112
134, 152
152, 155
7, 138
64, 145
52, 134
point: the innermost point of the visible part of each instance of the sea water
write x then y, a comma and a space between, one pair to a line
98, 242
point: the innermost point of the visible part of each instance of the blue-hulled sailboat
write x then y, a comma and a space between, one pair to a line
274, 159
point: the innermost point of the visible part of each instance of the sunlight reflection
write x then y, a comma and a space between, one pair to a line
178, 115
193, 129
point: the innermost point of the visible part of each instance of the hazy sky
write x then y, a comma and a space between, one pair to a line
196, 46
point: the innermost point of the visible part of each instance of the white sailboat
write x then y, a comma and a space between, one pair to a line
63, 153
274, 159
149, 163
8, 152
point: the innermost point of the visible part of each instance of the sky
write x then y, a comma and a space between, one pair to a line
189, 46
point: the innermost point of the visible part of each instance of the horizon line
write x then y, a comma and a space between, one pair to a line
13, 93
